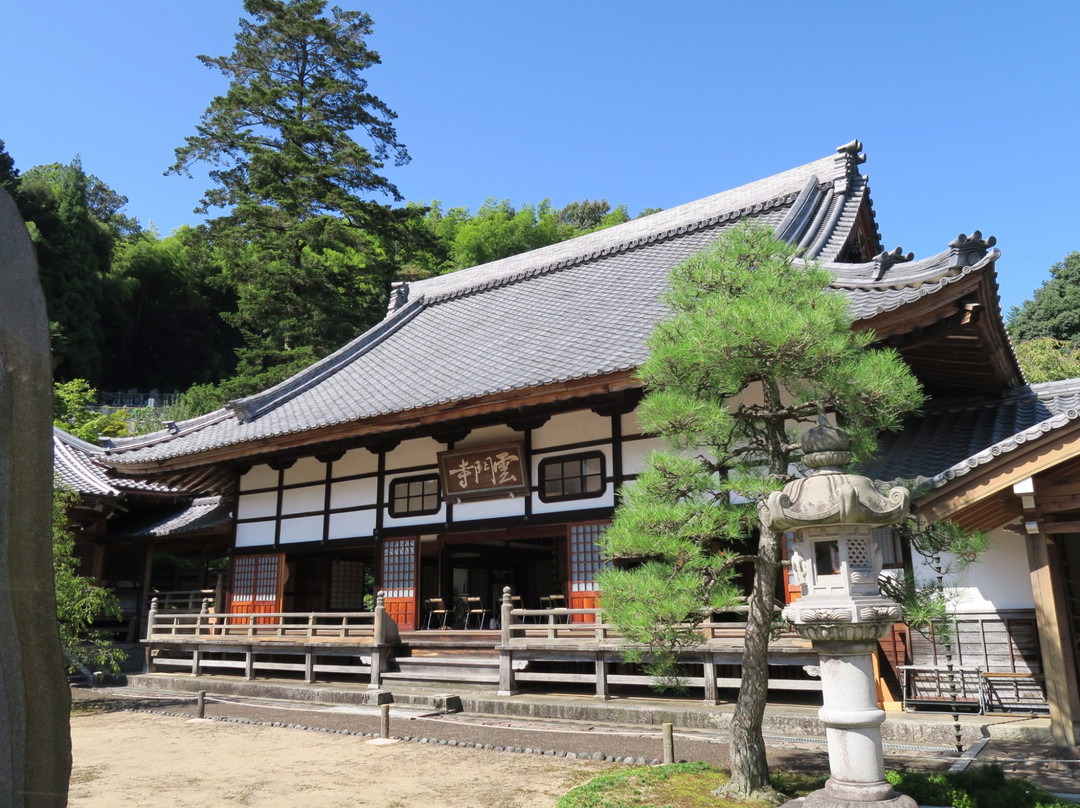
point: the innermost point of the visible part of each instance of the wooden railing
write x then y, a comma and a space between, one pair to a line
312, 642
554, 635
185, 600
361, 644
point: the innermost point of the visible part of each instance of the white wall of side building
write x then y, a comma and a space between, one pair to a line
998, 580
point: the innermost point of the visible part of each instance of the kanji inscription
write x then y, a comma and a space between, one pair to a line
485, 472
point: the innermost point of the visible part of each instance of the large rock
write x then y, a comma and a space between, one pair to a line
35, 739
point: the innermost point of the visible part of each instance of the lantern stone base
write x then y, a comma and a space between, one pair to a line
823, 799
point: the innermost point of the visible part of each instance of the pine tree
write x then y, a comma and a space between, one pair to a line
303, 241
756, 344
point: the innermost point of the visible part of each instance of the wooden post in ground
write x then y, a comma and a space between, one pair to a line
1055, 639
506, 657
35, 739
384, 720
378, 648
602, 691
669, 743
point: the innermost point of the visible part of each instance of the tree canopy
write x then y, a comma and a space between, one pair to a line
303, 241
756, 344
1054, 310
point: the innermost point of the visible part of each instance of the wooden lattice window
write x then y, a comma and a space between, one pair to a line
414, 496
347, 585
585, 558
571, 477
399, 568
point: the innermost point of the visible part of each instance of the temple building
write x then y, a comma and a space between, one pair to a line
476, 438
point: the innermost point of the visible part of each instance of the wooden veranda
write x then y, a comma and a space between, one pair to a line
542, 647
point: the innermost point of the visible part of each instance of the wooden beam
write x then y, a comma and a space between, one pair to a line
1055, 640
1032, 458
1059, 504
431, 420
1057, 528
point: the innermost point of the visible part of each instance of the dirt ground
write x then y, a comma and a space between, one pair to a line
126, 758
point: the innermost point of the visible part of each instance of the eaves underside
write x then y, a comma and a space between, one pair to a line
371, 431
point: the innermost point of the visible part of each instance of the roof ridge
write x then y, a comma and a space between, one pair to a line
115, 445
626, 246
252, 406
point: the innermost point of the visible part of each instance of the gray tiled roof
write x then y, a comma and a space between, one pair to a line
76, 464
573, 310
872, 291
203, 513
948, 442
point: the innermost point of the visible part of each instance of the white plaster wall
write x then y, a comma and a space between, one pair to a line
571, 427
489, 509
436, 519
354, 493
999, 579
259, 477
353, 525
254, 534
306, 499
482, 437
253, 506
356, 461
635, 452
304, 528
305, 470
419, 452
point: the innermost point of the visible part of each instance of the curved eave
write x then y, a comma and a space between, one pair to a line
373, 431
948, 327
973, 481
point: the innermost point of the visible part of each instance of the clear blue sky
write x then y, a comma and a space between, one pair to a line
968, 112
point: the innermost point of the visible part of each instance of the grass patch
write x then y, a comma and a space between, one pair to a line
679, 785
690, 785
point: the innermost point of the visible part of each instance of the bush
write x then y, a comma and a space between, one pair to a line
980, 787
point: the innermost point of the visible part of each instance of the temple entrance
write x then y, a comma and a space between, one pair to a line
468, 572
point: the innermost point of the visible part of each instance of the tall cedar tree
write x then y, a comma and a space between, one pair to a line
756, 344
302, 243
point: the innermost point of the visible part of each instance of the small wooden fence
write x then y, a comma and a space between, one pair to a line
354, 643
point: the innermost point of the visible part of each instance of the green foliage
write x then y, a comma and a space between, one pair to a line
307, 253
1054, 309
74, 247
162, 326
1045, 359
460, 239
9, 175
73, 412
79, 600
756, 344
678, 785
979, 787
745, 319
690, 785
947, 548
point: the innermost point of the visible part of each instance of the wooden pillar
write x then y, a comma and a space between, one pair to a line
1055, 639
602, 691
712, 697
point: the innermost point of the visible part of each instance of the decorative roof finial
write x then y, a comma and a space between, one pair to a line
968, 250
887, 258
852, 149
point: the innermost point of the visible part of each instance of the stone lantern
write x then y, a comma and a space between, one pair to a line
836, 563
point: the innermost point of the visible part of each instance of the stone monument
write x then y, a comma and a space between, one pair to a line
35, 745
836, 562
